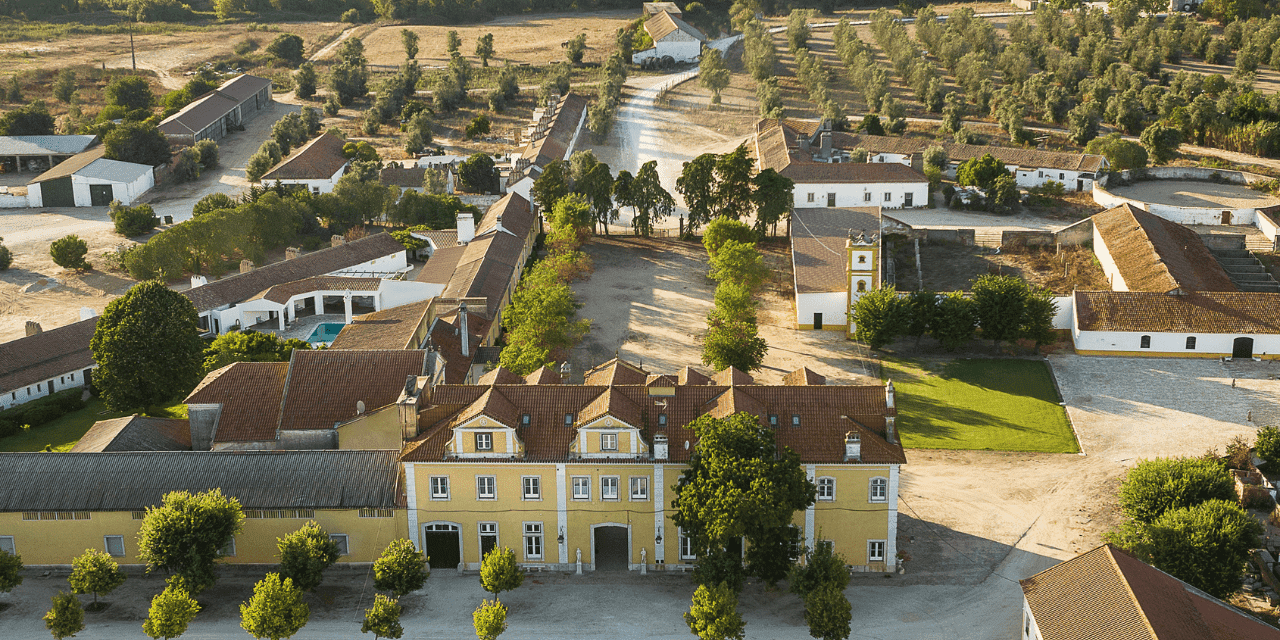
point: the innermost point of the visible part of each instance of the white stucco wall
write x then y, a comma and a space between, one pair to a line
902, 159
830, 304
33, 195
385, 265
854, 195
677, 44
1182, 215
1103, 253
60, 382
1171, 344
395, 293
316, 185
1030, 630
125, 192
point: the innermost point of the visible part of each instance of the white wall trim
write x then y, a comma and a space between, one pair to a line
891, 539
562, 513
810, 470
411, 491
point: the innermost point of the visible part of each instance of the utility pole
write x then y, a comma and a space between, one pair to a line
132, 52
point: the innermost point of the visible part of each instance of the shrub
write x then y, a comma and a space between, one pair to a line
213, 202
68, 252
1154, 487
133, 221
351, 16
1267, 445
479, 126
6, 257
187, 168
208, 151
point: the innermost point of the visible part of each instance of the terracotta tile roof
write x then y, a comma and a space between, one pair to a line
242, 286
544, 375
1154, 254
1108, 594
664, 380
1206, 312
956, 153
136, 433
440, 267
393, 328
692, 377
281, 293
250, 395
615, 371
803, 376
554, 145
818, 238
315, 160
612, 402
45, 355
485, 266
446, 337
774, 152
732, 377
734, 400
500, 375
493, 403
664, 24
403, 177
324, 386
818, 439
441, 238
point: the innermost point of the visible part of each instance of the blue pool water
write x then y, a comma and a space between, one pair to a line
325, 332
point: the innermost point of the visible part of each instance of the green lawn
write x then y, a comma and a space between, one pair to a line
998, 405
66, 431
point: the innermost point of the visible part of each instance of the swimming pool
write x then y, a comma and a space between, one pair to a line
325, 332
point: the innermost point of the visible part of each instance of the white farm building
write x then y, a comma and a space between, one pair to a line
672, 38
835, 256
825, 177
316, 166
89, 180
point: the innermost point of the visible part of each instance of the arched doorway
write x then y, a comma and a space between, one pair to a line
1242, 348
442, 544
610, 547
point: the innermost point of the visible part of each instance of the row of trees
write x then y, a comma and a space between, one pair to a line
540, 319
733, 338
723, 187
605, 194
1006, 308
603, 112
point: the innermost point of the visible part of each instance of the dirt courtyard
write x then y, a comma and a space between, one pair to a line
648, 301
1195, 193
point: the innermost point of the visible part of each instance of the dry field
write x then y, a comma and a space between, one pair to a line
952, 267
533, 40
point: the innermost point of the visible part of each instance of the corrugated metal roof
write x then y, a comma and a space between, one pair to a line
114, 170
44, 145
126, 481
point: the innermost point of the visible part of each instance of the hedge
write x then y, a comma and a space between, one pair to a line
40, 412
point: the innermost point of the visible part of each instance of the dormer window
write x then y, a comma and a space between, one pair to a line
568, 419
795, 419
773, 419
662, 421
608, 442
484, 441
525, 419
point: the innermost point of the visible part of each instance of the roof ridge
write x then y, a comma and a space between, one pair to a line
284, 396
1108, 550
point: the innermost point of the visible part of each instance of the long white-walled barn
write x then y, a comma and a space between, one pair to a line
1199, 324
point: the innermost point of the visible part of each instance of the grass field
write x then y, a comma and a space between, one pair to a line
998, 405
66, 431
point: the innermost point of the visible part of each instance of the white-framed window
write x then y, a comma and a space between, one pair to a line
879, 491
344, 546
532, 487
609, 487
229, 549
826, 488
866, 197
533, 541
486, 488
810, 197
582, 487
439, 487
7, 546
484, 441
114, 545
875, 551
608, 442
639, 487
686, 547
888, 197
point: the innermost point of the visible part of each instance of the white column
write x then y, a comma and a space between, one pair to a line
659, 515
280, 319
562, 514
810, 470
319, 303
891, 539
412, 497
346, 306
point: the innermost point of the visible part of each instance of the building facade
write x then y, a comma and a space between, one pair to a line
672, 38
835, 258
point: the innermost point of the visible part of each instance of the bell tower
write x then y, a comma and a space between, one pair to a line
862, 269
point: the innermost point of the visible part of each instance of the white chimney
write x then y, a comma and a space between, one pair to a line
852, 447
462, 325
86, 313
660, 447
198, 281
466, 228
888, 394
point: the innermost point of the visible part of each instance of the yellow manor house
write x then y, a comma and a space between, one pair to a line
565, 473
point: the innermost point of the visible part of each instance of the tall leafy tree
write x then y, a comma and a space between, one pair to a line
10, 571
1161, 142
484, 48
1153, 487
981, 171
305, 554
879, 316
551, 185
136, 142
249, 346
652, 203
1000, 304
773, 196
1120, 154
186, 534
95, 572
409, 38
400, 569
823, 567
500, 572
477, 173
132, 373
723, 230
383, 618
733, 343
713, 615
697, 185
451, 43
572, 211
130, 92
31, 120
597, 186
922, 306
713, 75
733, 183
287, 47
304, 81
954, 323
276, 610
66, 618
171, 611
741, 263
738, 485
